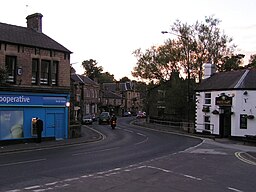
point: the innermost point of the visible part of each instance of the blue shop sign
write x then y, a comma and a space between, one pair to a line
24, 100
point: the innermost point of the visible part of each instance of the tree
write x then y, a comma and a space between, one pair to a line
232, 62
252, 61
205, 42
106, 78
91, 69
96, 73
124, 79
193, 46
157, 63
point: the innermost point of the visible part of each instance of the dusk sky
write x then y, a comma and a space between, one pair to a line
108, 31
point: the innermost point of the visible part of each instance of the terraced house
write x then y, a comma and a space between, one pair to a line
37, 81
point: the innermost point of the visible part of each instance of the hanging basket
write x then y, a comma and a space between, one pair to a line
250, 116
215, 112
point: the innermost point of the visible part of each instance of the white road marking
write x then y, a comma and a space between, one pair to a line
99, 151
144, 141
32, 187
233, 189
241, 158
161, 169
141, 134
127, 130
22, 162
52, 183
71, 179
192, 177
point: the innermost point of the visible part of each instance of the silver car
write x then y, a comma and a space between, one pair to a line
87, 120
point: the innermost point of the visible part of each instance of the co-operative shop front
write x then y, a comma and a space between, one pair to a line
18, 112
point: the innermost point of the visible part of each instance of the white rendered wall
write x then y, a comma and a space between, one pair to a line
241, 104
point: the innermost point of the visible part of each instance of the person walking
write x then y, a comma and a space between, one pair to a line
39, 129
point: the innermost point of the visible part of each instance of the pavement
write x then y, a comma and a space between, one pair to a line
88, 135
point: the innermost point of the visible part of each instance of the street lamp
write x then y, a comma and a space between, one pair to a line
188, 71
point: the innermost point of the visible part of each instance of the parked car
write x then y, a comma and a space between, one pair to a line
104, 118
127, 114
141, 114
87, 119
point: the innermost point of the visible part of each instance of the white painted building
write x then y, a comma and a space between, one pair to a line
226, 103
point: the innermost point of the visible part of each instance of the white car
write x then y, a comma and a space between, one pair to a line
87, 120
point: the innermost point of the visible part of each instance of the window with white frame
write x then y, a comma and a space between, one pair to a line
207, 122
207, 98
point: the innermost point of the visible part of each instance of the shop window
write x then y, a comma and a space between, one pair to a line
10, 64
35, 74
207, 98
243, 121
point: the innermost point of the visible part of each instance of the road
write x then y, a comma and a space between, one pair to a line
130, 159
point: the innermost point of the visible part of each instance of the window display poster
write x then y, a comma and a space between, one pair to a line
11, 125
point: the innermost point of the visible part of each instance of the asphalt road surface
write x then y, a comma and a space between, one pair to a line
130, 158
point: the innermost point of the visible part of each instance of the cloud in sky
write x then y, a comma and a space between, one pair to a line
109, 31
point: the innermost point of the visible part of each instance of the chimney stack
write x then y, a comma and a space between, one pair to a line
209, 70
34, 22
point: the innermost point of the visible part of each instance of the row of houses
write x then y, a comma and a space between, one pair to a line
90, 97
38, 82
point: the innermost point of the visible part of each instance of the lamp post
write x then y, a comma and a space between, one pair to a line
187, 50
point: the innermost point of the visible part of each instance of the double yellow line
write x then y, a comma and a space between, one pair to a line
241, 156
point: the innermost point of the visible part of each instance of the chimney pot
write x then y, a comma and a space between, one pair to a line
34, 22
209, 70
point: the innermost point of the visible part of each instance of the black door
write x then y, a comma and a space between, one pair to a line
225, 121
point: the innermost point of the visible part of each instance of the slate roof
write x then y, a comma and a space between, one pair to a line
87, 80
24, 36
76, 78
110, 94
118, 86
240, 79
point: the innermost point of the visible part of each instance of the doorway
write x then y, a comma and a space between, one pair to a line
225, 122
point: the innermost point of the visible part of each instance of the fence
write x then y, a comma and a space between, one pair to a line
179, 126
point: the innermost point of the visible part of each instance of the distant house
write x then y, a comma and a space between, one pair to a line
91, 95
76, 96
226, 103
168, 100
37, 82
85, 96
111, 102
131, 99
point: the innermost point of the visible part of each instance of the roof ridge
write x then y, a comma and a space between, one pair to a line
242, 79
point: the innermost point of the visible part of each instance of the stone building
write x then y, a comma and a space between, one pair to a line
37, 82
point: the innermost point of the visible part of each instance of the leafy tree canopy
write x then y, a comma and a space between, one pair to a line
252, 61
91, 69
191, 47
124, 79
95, 72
